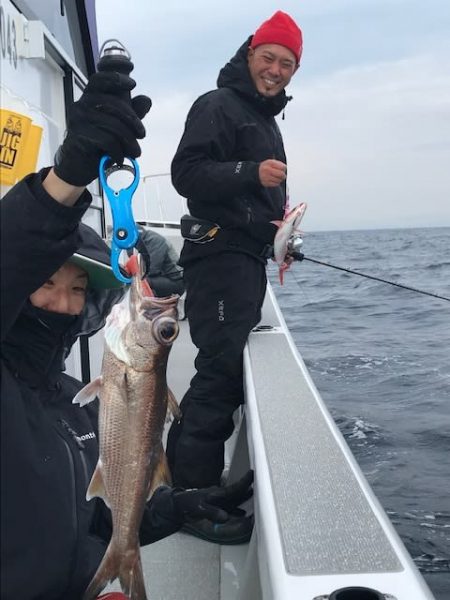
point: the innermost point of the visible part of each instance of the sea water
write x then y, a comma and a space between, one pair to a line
380, 357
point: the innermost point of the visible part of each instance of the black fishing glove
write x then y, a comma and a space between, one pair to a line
102, 121
213, 503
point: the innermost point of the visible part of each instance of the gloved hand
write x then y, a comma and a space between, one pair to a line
101, 122
213, 503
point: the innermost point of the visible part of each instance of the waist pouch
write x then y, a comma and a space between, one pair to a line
201, 231
198, 231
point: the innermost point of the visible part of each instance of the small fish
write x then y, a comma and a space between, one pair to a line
134, 400
288, 227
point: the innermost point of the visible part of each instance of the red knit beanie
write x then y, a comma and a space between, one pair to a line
280, 29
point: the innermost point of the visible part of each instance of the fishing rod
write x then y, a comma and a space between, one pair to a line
296, 242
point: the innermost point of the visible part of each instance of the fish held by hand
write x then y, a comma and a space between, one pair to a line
287, 228
134, 400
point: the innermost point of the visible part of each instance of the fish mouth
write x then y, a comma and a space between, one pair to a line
163, 314
143, 288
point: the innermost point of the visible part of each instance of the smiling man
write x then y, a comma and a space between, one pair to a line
231, 166
274, 54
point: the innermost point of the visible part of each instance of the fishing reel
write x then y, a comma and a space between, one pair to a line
294, 246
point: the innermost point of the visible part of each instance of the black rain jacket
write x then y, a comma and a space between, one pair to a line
228, 133
52, 539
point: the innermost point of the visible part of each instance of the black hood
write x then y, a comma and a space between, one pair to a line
39, 341
236, 76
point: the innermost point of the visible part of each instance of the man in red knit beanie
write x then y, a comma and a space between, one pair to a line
274, 54
280, 29
231, 166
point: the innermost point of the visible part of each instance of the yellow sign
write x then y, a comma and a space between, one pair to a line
19, 146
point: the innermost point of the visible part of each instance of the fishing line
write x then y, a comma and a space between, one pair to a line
300, 256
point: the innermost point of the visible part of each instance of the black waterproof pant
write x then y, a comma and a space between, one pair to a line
224, 295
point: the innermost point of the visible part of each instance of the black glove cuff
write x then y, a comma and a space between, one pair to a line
70, 166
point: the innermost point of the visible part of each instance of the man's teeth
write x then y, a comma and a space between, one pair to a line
270, 82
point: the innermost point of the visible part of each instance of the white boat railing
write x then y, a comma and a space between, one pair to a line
320, 533
159, 203
155, 201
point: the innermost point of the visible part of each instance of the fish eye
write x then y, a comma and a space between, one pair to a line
165, 330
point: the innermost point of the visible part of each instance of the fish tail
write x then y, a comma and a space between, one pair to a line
106, 572
131, 577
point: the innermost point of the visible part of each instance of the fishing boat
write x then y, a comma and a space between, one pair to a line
320, 533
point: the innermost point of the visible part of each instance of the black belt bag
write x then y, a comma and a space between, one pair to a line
198, 231
201, 231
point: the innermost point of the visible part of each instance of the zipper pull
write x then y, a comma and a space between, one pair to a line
73, 433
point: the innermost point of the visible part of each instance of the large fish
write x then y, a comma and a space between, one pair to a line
288, 227
134, 400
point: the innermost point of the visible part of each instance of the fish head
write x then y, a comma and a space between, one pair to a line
142, 325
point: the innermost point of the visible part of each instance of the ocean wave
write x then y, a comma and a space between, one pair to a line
351, 366
439, 265
426, 534
357, 428
434, 438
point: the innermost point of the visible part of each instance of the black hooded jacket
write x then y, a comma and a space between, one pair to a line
52, 539
228, 133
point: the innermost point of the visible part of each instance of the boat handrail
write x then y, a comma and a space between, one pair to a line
318, 525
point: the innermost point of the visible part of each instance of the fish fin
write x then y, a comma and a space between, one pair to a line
106, 572
277, 223
131, 576
161, 474
115, 324
89, 392
96, 487
172, 406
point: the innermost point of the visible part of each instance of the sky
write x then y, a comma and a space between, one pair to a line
367, 134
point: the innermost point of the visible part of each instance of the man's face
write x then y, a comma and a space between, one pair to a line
271, 68
64, 292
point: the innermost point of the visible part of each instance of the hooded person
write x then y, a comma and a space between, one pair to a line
50, 445
163, 273
56, 285
231, 166
40, 355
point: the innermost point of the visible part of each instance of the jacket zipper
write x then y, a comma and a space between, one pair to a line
72, 467
74, 501
75, 522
